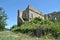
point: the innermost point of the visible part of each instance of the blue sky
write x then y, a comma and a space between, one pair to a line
11, 7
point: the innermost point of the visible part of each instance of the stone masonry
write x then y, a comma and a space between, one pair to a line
29, 13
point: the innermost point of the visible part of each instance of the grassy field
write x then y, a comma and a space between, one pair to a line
7, 35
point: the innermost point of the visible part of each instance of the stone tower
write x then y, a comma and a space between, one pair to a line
19, 18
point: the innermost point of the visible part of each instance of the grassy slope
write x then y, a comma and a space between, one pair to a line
7, 35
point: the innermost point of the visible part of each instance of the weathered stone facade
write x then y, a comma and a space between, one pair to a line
54, 16
29, 13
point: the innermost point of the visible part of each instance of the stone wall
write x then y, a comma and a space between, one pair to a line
25, 15
54, 16
19, 18
34, 14
29, 13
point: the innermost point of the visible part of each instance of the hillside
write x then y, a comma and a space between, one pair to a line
7, 35
38, 29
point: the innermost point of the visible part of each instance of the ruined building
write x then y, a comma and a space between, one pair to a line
29, 13
54, 16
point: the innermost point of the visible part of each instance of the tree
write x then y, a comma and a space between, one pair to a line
14, 26
3, 18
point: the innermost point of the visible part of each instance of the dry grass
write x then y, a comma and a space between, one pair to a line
7, 35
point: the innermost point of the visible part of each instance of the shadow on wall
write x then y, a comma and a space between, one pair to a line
20, 21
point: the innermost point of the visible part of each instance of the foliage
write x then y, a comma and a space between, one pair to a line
3, 18
8, 35
13, 27
48, 26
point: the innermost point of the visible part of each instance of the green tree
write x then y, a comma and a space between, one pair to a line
14, 26
3, 18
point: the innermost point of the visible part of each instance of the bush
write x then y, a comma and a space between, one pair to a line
46, 26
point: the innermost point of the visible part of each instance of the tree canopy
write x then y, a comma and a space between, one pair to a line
3, 18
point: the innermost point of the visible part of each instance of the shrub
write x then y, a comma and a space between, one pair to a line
46, 26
